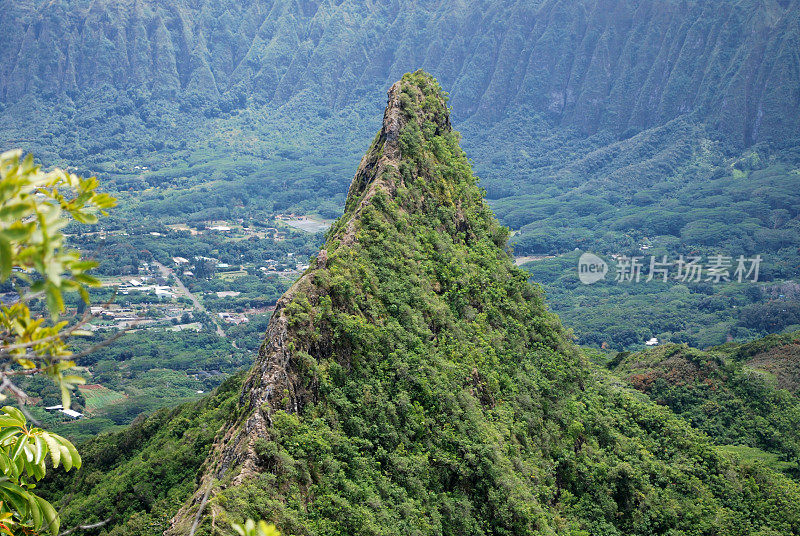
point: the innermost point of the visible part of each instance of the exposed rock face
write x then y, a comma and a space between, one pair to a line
272, 382
413, 381
588, 65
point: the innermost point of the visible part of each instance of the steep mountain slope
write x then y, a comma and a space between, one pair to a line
413, 381
734, 393
136, 479
591, 65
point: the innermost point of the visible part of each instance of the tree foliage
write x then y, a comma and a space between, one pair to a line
35, 206
23, 452
251, 528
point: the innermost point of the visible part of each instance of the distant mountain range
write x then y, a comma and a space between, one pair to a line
593, 125
586, 65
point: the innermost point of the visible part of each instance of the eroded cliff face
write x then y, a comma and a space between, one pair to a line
275, 382
588, 65
413, 381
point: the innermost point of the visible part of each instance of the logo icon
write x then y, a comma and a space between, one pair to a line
591, 268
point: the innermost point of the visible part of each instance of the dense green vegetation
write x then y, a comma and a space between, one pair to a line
732, 400
138, 477
623, 315
743, 206
428, 390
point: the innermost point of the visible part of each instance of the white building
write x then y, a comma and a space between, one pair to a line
163, 292
68, 412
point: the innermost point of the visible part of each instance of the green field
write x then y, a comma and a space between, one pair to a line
751, 454
98, 396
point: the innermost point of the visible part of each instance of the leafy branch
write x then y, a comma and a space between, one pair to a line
22, 460
35, 262
35, 206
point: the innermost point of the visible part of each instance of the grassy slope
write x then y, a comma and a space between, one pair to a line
729, 392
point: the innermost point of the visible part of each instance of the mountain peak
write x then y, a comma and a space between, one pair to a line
413, 298
416, 114
412, 380
415, 97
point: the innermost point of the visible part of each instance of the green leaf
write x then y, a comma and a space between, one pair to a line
41, 448
82, 333
78, 380
5, 462
16, 233
5, 259
28, 450
14, 211
7, 433
38, 470
17, 466
15, 413
50, 516
84, 217
15, 495
55, 302
84, 294
73, 452
19, 447
65, 397
36, 511
83, 265
66, 457
87, 280
7, 420
52, 446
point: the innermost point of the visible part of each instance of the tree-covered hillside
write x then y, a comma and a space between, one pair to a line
136, 479
412, 380
744, 396
593, 125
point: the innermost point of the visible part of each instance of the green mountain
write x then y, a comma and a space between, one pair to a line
598, 125
744, 396
413, 381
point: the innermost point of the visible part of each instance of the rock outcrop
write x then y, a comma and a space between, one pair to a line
413, 381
